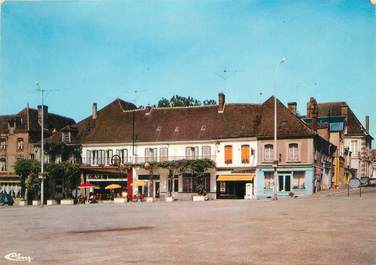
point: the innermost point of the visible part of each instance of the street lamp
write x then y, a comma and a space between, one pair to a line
275, 163
41, 90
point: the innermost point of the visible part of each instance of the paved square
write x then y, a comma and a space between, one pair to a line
327, 228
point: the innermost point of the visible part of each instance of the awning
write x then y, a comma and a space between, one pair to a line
235, 178
138, 183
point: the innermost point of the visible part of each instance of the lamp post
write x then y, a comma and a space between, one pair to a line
41, 90
275, 163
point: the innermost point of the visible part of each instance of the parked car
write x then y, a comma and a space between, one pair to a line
6, 199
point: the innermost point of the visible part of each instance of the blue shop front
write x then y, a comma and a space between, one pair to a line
291, 180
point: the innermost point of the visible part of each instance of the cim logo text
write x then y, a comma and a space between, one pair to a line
17, 257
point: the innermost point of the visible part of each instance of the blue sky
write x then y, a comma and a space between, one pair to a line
96, 51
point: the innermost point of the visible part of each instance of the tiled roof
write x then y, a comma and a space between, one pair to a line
354, 126
53, 121
114, 124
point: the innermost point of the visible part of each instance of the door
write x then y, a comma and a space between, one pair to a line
156, 189
284, 182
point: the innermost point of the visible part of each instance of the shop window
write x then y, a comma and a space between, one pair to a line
228, 154
20, 144
268, 152
190, 183
268, 180
299, 180
245, 154
206, 152
293, 153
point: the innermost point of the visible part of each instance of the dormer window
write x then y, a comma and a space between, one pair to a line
203, 128
177, 129
159, 128
66, 137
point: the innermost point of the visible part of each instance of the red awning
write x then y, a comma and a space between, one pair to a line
87, 185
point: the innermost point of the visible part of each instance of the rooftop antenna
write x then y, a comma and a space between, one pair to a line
42, 175
225, 75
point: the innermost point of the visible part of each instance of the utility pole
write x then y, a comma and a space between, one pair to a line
276, 159
42, 91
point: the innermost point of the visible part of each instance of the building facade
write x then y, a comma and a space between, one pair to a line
18, 134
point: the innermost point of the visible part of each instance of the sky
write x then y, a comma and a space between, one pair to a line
140, 51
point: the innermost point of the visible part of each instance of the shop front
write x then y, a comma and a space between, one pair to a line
235, 186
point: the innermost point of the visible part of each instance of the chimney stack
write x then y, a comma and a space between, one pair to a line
95, 111
367, 124
221, 102
292, 107
148, 110
45, 115
313, 112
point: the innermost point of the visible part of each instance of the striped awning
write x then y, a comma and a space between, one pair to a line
235, 178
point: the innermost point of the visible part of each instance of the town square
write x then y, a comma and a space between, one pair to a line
188, 132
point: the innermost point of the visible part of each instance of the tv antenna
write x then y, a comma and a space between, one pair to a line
225, 75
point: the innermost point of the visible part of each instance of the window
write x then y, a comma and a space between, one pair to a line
94, 157
150, 154
190, 183
245, 154
175, 181
191, 152
298, 180
228, 154
354, 147
3, 143
206, 152
20, 144
109, 154
163, 154
268, 180
88, 157
268, 152
293, 153
66, 137
3, 165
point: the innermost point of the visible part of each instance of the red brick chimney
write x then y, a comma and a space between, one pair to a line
148, 110
292, 107
221, 102
94, 111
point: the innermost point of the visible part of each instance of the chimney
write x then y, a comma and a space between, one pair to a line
345, 111
148, 110
292, 107
312, 112
221, 102
45, 115
367, 124
94, 110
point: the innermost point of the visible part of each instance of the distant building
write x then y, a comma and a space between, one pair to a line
336, 122
18, 133
237, 137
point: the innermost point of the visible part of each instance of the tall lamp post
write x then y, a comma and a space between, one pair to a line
41, 90
275, 163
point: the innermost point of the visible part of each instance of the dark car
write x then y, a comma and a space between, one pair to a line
6, 199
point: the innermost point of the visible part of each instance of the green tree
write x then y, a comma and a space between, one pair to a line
28, 171
209, 102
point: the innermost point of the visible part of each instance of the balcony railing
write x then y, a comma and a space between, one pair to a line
141, 160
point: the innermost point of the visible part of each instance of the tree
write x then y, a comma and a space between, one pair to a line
28, 171
209, 102
181, 101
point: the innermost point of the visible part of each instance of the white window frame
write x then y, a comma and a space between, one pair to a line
268, 152
293, 156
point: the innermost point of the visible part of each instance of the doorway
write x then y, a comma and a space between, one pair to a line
156, 188
284, 182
